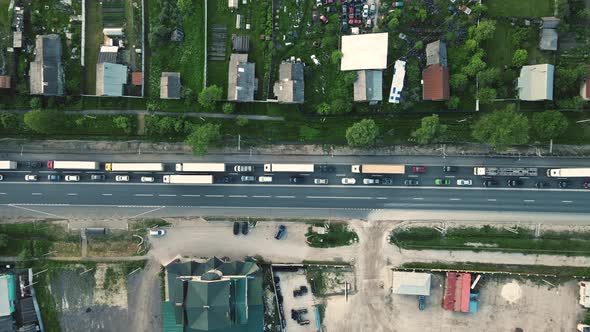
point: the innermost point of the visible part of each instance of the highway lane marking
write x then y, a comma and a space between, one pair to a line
36, 211
340, 197
72, 194
143, 195
454, 199
2, 193
491, 199
261, 196
285, 196
529, 200
36, 194
190, 195
150, 211
418, 198
238, 196
381, 197
567, 201
215, 196
167, 195
107, 194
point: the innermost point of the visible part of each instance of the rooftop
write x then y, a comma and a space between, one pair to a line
110, 78
368, 86
436, 83
170, 85
241, 80
411, 283
436, 53
536, 82
290, 86
46, 72
366, 51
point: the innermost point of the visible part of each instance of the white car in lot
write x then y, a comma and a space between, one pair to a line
30, 177
147, 179
243, 168
72, 178
122, 178
464, 182
348, 180
370, 181
157, 232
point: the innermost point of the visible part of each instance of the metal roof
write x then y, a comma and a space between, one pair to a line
110, 78
536, 82
170, 85
368, 85
436, 53
436, 83
366, 51
290, 87
242, 82
46, 72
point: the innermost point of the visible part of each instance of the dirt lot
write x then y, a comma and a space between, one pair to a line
289, 282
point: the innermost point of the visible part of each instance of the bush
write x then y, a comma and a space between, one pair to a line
228, 108
209, 95
362, 134
45, 121
203, 137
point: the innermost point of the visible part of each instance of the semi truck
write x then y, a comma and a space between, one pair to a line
59, 164
200, 167
568, 172
188, 179
379, 169
7, 164
293, 168
134, 167
505, 171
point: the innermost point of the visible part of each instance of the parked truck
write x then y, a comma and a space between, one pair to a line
379, 169
293, 168
200, 167
505, 171
188, 179
7, 164
86, 165
568, 172
134, 167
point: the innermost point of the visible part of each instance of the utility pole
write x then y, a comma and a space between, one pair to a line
239, 139
551, 146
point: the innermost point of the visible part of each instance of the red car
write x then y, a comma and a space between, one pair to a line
324, 19
418, 169
354, 22
314, 16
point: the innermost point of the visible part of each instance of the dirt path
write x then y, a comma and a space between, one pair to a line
145, 304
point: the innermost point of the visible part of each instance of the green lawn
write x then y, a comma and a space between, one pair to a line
93, 40
4, 17
336, 236
521, 8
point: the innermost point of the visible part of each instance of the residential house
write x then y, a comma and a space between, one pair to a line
170, 85
242, 83
549, 35
368, 86
46, 73
585, 89
240, 44
290, 86
213, 295
108, 54
435, 80
536, 82
436, 53
110, 79
17, 302
365, 51
4, 82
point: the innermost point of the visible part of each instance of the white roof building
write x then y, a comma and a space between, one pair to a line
411, 283
536, 82
366, 51
397, 82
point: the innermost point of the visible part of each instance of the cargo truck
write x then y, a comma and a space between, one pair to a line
568, 172
200, 167
87, 165
293, 168
7, 164
134, 167
379, 169
505, 171
188, 179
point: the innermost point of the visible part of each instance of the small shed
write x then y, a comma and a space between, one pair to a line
233, 4
136, 78
170, 85
411, 283
4, 82
240, 44
177, 35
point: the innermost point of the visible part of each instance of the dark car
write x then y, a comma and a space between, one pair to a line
327, 168
449, 169
296, 179
236, 228
247, 178
489, 183
330, 9
411, 182
586, 185
281, 232
418, 169
514, 183
226, 179
245, 228
344, 10
53, 177
563, 184
541, 184
387, 181
34, 164
97, 177
421, 302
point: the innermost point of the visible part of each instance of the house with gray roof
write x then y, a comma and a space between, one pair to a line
213, 295
170, 85
242, 83
290, 86
368, 86
110, 79
46, 73
436, 53
536, 82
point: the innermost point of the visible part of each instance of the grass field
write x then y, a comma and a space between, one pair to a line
93, 40
337, 235
521, 8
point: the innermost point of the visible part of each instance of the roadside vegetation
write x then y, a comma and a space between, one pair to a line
330, 235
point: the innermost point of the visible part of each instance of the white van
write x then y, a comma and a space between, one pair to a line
265, 179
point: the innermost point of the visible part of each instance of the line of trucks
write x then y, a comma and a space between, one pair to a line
275, 167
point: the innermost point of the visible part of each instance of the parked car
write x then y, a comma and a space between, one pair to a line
243, 168
411, 182
397, 4
418, 169
370, 181
245, 228
53, 177
355, 22
72, 178
314, 17
513, 183
281, 232
34, 164
541, 184
122, 178
247, 178
442, 182
320, 181
372, 9
386, 181
449, 169
489, 183
157, 232
403, 36
348, 180
265, 179
296, 179
563, 184
586, 185
97, 177
421, 302
30, 177
365, 13
344, 10
236, 228
328, 2
318, 3
464, 182
1, 177
331, 9
147, 179
324, 19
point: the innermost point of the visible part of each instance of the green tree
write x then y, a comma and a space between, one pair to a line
484, 31
124, 123
324, 109
228, 108
486, 95
419, 45
341, 106
520, 58
422, 15
520, 35
9, 121
203, 137
488, 77
185, 7
458, 81
209, 96
476, 65
502, 128
362, 134
36, 103
3, 240
45, 121
241, 121
430, 131
188, 95
453, 103
336, 56
471, 45
549, 124
393, 23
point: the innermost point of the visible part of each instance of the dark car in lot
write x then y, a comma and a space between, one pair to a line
586, 185
34, 164
236, 228
281, 232
449, 169
563, 184
489, 183
327, 168
53, 177
245, 228
514, 183
247, 178
344, 10
411, 182
541, 184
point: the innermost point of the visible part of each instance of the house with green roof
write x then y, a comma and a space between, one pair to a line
214, 295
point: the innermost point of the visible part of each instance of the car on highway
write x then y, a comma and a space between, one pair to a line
586, 185
489, 183
227, 179
541, 184
147, 179
563, 184
236, 228
245, 227
411, 182
370, 181
247, 178
442, 182
1, 177
244, 168
449, 169
34, 164
418, 169
281, 232
53, 177
296, 179
320, 181
156, 232
72, 178
30, 177
387, 181
348, 180
514, 183
327, 168
98, 177
122, 178
464, 182
265, 179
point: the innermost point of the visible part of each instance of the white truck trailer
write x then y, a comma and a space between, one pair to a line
505, 171
134, 167
568, 172
188, 179
60, 164
200, 167
292, 168
7, 164
379, 169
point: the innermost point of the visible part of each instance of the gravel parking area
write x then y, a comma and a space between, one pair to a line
291, 281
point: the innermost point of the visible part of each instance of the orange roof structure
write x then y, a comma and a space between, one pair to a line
136, 78
436, 83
